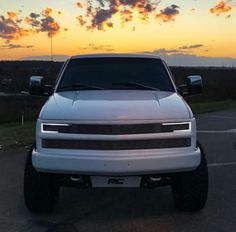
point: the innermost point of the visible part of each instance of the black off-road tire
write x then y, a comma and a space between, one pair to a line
40, 189
190, 189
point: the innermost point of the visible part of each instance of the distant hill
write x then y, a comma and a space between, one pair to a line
172, 59
57, 58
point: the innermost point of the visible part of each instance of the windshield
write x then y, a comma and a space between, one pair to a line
115, 73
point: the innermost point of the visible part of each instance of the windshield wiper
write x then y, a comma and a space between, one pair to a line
130, 83
79, 86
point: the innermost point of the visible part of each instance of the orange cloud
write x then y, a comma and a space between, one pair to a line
100, 48
10, 28
33, 20
126, 16
48, 23
100, 16
221, 8
44, 22
12, 14
81, 20
14, 46
169, 13
109, 24
47, 11
13, 26
50, 26
79, 5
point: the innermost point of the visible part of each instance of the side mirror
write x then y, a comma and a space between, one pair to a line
38, 87
193, 85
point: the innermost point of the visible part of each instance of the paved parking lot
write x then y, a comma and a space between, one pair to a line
132, 210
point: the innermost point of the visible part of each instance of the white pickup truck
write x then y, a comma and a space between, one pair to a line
115, 120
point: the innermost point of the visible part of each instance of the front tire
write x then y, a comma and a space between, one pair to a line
190, 189
40, 189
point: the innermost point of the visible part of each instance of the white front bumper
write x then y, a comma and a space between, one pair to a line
132, 162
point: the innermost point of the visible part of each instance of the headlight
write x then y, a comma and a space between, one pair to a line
54, 127
176, 126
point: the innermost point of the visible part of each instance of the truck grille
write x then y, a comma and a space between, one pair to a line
115, 129
116, 145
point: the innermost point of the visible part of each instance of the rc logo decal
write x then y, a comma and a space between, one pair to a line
115, 181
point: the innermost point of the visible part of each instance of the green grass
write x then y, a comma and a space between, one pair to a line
13, 135
199, 108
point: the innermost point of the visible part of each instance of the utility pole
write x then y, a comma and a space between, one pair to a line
51, 69
51, 50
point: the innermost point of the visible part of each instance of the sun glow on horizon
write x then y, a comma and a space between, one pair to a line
80, 27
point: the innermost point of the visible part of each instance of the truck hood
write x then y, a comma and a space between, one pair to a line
115, 105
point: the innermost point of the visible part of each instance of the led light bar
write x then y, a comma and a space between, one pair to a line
53, 127
176, 126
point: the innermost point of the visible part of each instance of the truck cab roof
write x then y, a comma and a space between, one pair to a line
117, 55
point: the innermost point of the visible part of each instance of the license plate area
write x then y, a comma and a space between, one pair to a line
116, 182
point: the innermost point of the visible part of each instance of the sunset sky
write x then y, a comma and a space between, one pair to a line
205, 28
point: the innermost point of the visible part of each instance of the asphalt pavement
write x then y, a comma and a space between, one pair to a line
135, 210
